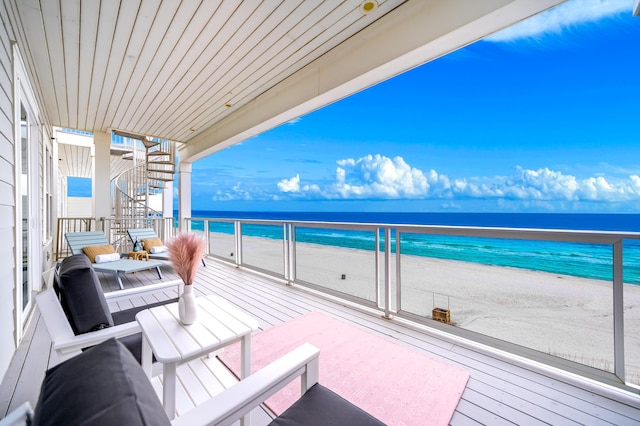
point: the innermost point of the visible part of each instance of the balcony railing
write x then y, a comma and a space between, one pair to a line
569, 310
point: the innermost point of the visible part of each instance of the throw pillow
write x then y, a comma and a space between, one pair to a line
103, 385
93, 251
84, 301
151, 242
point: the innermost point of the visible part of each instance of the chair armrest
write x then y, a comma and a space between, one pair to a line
233, 403
82, 341
21, 416
113, 296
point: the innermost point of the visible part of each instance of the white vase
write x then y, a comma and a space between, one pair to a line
187, 306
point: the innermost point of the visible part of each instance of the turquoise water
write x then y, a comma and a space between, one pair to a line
577, 259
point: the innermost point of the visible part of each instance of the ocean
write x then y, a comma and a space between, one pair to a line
577, 259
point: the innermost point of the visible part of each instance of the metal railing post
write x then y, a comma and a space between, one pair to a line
238, 241
387, 273
618, 312
285, 251
398, 283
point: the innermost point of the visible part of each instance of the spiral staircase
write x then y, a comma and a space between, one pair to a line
151, 167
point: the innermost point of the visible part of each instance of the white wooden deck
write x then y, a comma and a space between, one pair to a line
498, 393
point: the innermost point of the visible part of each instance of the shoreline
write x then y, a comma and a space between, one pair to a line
559, 314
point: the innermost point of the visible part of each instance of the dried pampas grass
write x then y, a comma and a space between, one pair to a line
185, 252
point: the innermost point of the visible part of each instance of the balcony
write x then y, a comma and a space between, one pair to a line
276, 281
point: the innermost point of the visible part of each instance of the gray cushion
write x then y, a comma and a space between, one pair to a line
320, 406
81, 295
102, 386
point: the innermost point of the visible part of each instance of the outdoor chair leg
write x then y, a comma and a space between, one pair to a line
159, 273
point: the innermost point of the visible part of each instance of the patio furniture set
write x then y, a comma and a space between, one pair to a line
99, 350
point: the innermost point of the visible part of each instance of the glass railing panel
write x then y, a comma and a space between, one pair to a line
553, 297
222, 240
262, 247
338, 260
631, 303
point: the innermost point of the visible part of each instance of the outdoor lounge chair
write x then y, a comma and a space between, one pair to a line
79, 240
76, 313
141, 234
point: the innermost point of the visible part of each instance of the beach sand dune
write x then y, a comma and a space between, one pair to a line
566, 316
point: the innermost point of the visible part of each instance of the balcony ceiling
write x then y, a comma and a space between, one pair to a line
213, 73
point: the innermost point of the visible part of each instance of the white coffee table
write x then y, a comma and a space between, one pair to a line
219, 324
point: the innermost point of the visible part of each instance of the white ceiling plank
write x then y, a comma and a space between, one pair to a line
243, 82
140, 36
54, 42
119, 44
194, 38
70, 12
106, 28
89, 13
38, 60
215, 37
238, 47
162, 34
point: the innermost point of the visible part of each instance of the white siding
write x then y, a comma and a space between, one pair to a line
79, 207
7, 199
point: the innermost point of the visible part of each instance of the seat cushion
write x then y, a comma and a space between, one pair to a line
82, 297
103, 385
320, 406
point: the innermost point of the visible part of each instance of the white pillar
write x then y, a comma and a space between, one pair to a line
184, 193
101, 182
167, 200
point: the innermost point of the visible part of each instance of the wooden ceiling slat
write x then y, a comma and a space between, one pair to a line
70, 12
197, 35
216, 69
89, 13
121, 39
271, 65
106, 28
53, 32
164, 33
216, 48
140, 34
37, 63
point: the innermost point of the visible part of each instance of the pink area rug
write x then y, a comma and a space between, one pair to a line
392, 382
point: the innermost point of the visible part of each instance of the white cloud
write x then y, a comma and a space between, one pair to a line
562, 17
290, 185
380, 177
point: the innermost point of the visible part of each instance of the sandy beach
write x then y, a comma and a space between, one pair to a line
563, 315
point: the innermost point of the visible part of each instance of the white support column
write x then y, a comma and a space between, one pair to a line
167, 200
184, 193
101, 182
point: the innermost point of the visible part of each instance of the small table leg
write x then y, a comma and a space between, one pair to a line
169, 389
245, 369
147, 356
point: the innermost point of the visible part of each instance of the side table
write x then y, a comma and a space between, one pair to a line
138, 255
219, 324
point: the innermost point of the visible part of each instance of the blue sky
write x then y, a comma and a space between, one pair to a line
541, 117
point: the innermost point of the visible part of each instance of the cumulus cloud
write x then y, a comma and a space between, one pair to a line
290, 185
380, 177
564, 16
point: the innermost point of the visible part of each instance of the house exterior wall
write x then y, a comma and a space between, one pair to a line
13, 320
7, 198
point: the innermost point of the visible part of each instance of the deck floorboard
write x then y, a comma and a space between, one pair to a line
499, 392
